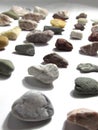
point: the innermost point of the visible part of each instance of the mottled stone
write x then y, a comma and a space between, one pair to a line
86, 86
76, 34
5, 20
94, 28
81, 15
25, 49
39, 36
27, 25
3, 42
87, 67
84, 117
89, 49
93, 36
33, 106
56, 59
44, 73
63, 45
58, 23
6, 67
56, 30
79, 26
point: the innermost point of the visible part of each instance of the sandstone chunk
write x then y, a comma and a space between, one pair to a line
3, 42
56, 59
86, 86
84, 117
32, 106
93, 36
45, 73
4, 20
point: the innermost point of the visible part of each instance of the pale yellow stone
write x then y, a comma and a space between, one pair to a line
58, 23
3, 42
12, 34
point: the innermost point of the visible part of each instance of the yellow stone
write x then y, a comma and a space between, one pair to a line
3, 42
58, 23
12, 34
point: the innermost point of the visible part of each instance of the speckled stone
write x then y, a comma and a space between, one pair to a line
87, 67
32, 106
86, 86
6, 67
5, 20
25, 49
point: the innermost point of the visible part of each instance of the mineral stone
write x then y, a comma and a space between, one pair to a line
86, 86
94, 28
63, 45
56, 59
90, 49
84, 117
3, 42
93, 37
6, 67
81, 15
79, 26
39, 37
76, 35
27, 25
87, 67
5, 20
32, 106
82, 21
25, 49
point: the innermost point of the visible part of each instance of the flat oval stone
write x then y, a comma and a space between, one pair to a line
33, 106
25, 49
4, 20
45, 73
4, 41
86, 86
6, 67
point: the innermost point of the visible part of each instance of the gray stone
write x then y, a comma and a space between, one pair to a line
45, 73
87, 67
25, 49
33, 106
6, 67
39, 37
86, 86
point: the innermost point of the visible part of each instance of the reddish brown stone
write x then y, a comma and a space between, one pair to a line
93, 37
79, 26
81, 15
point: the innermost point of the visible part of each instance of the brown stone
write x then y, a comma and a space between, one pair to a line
93, 37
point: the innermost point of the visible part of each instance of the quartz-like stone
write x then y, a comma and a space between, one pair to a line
25, 49
3, 42
56, 59
93, 36
84, 117
5, 20
39, 37
76, 34
27, 25
6, 67
82, 21
44, 73
86, 86
33, 106
87, 67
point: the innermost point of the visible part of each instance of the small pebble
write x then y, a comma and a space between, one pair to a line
56, 30
90, 49
25, 49
76, 35
63, 45
94, 28
6, 67
33, 106
5, 20
3, 42
81, 15
84, 117
56, 59
86, 86
58, 23
42, 11
79, 26
87, 67
12, 34
27, 25
39, 36
82, 21
44, 73
93, 37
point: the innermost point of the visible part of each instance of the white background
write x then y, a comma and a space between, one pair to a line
60, 93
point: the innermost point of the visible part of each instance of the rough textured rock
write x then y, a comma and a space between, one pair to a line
25, 49
63, 45
82, 21
39, 37
93, 36
3, 42
5, 20
79, 26
86, 86
45, 73
56, 59
84, 117
76, 34
94, 28
81, 15
90, 49
87, 67
32, 106
6, 67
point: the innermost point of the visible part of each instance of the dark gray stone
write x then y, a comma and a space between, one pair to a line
33, 106
86, 86
25, 49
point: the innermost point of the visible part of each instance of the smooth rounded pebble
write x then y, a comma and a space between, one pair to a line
25, 49
32, 106
45, 73
4, 41
4, 20
76, 34
86, 86
6, 67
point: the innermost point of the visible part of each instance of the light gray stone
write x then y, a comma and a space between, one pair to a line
32, 106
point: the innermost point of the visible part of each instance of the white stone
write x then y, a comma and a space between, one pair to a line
76, 34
